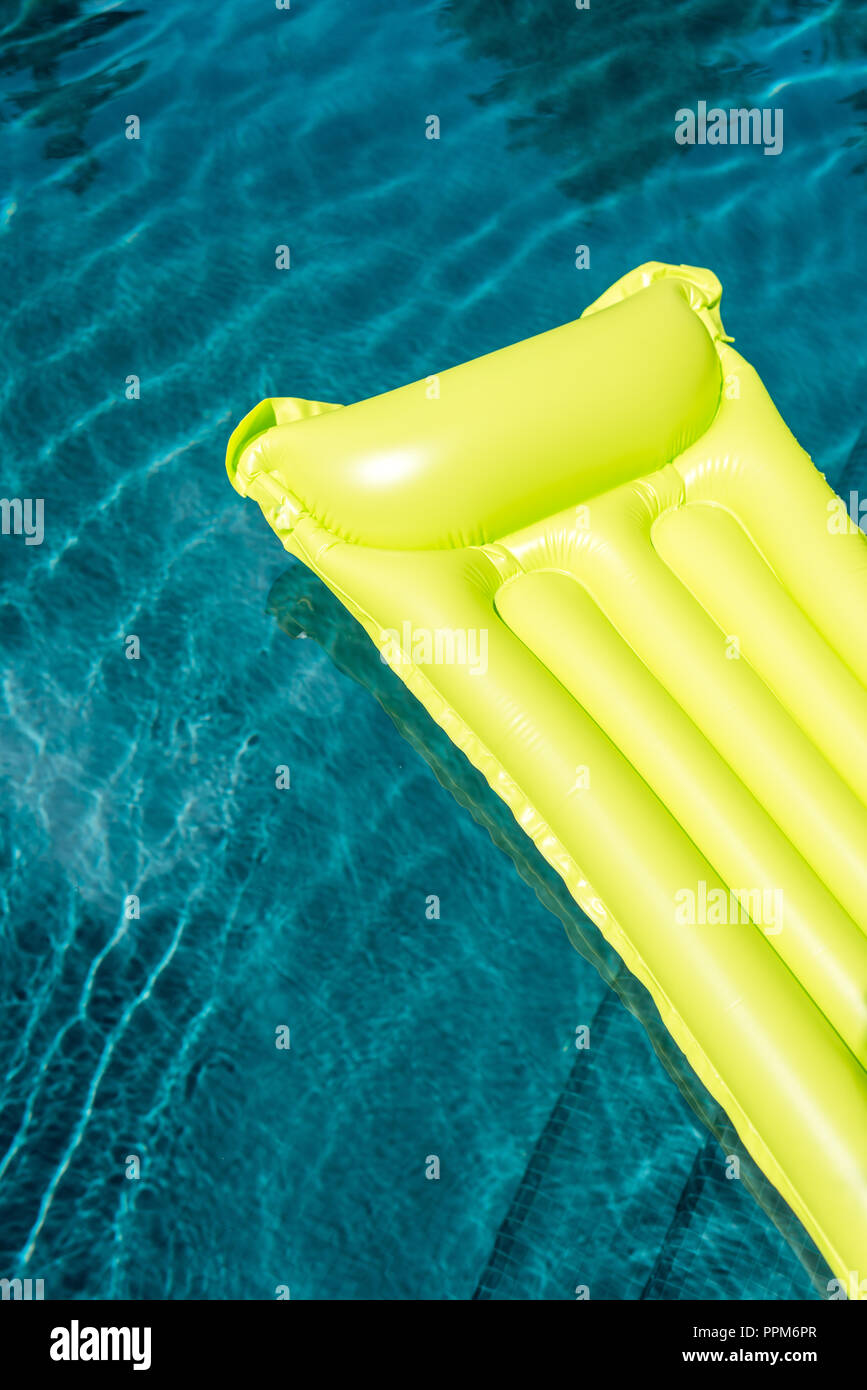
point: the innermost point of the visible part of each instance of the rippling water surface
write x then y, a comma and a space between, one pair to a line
154, 1035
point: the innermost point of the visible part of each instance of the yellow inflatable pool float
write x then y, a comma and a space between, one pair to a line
604, 565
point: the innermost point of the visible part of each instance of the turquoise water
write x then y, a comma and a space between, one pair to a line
155, 1037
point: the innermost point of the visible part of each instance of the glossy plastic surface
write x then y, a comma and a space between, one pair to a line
607, 569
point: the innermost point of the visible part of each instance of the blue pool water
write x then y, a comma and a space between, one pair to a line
155, 1037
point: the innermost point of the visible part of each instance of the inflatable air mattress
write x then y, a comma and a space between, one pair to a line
606, 568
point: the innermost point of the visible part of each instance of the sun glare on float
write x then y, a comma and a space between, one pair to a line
383, 469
